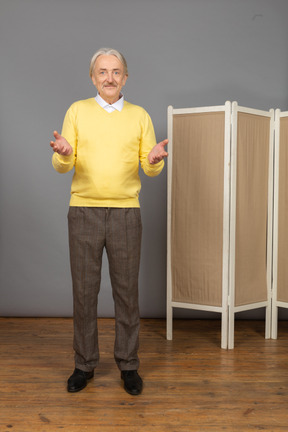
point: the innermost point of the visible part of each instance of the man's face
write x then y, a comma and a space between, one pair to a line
109, 77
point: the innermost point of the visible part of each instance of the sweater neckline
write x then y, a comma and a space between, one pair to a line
108, 113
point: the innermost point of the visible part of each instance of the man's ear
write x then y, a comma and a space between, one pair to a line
124, 80
93, 80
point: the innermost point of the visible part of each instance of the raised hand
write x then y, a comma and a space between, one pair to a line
158, 152
61, 145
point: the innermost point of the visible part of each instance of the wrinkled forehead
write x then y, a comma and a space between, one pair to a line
108, 62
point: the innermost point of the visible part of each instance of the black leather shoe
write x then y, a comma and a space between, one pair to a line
78, 380
133, 383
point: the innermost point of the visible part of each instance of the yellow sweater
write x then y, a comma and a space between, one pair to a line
107, 148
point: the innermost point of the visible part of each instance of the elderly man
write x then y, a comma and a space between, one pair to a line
104, 138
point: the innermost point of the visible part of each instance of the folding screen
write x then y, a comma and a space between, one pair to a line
219, 212
280, 235
251, 214
198, 211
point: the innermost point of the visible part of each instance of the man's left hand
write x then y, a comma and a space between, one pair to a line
158, 152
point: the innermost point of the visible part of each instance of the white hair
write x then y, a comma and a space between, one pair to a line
107, 51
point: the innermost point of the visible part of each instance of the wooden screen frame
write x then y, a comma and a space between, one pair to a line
229, 306
279, 214
266, 303
223, 307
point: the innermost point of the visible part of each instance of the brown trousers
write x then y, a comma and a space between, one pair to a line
119, 230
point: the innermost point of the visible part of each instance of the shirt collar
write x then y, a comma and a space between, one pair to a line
118, 105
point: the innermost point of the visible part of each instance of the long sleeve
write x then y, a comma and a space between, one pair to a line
148, 141
63, 164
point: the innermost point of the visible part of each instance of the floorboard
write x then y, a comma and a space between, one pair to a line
190, 383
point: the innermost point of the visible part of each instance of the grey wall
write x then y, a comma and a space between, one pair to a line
180, 52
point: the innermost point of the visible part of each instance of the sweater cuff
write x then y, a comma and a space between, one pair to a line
153, 170
62, 163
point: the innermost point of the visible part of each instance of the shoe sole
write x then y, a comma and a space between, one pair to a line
132, 393
76, 390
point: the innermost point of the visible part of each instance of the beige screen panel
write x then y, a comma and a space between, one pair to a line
253, 132
197, 208
282, 277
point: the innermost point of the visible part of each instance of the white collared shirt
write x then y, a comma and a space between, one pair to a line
118, 105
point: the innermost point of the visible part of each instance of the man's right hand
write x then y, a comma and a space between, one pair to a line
61, 145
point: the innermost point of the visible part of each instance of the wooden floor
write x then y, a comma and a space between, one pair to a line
191, 384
